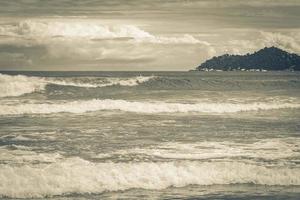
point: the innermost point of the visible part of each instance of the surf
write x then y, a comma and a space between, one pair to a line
20, 84
75, 175
84, 106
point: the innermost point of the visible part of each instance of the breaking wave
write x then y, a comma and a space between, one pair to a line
138, 107
271, 150
75, 175
20, 84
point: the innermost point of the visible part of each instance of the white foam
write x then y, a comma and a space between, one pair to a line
129, 82
111, 81
274, 149
34, 136
138, 107
20, 84
75, 175
24, 155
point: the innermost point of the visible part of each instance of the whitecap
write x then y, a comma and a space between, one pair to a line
20, 84
139, 107
75, 175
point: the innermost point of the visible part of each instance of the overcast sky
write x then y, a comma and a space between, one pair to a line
140, 34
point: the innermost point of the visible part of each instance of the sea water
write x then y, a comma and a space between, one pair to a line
150, 135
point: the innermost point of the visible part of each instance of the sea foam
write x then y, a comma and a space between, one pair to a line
138, 107
271, 150
20, 84
75, 175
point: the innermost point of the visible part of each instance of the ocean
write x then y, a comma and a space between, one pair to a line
150, 135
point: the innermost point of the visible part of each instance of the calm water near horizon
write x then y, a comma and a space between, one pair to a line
150, 135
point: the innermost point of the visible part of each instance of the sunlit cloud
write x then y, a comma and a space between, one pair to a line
41, 30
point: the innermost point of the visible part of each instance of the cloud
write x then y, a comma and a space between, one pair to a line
286, 41
41, 30
248, 41
289, 41
171, 34
185, 39
73, 29
13, 60
20, 55
90, 43
235, 3
57, 43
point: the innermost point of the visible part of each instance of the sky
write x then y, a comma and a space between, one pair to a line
140, 35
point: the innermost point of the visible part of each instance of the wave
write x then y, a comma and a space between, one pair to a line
24, 155
131, 81
273, 150
138, 107
75, 175
21, 84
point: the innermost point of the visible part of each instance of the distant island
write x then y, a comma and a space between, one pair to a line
268, 58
